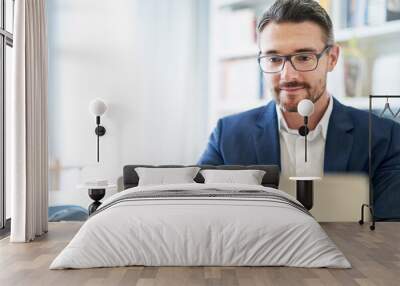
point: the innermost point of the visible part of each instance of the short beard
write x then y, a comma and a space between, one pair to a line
314, 99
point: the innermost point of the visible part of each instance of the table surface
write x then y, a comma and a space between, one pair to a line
110, 186
304, 178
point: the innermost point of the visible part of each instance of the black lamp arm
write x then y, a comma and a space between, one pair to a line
303, 131
100, 131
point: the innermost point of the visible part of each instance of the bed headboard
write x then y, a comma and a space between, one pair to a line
270, 179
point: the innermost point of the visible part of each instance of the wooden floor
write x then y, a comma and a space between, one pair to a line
375, 257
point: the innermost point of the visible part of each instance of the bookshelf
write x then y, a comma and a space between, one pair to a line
232, 54
239, 4
370, 34
236, 83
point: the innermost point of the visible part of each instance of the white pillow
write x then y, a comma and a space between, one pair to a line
248, 177
164, 176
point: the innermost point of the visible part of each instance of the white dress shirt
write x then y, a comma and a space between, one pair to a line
292, 147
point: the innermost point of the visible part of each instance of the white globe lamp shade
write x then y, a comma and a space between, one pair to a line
97, 107
305, 107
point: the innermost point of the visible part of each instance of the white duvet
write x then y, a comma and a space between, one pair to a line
200, 231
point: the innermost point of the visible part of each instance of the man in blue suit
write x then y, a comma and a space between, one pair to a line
297, 50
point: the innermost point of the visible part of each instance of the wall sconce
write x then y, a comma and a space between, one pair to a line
305, 108
97, 107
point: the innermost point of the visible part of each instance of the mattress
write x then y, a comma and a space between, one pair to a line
201, 225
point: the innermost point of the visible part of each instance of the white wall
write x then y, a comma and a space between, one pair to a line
148, 61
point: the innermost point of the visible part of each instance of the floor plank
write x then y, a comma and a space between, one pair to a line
374, 255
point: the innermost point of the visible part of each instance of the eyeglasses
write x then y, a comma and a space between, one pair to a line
303, 62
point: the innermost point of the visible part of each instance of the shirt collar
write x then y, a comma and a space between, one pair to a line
322, 124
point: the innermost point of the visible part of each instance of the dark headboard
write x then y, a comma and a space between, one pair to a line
270, 179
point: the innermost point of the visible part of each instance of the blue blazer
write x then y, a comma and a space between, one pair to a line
252, 137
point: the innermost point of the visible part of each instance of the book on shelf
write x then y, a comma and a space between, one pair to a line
358, 13
376, 12
242, 81
337, 12
237, 30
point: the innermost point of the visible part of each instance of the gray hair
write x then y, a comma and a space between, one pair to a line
298, 11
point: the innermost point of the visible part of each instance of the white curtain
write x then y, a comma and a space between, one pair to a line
28, 123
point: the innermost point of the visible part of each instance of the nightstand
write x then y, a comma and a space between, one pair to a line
96, 193
305, 190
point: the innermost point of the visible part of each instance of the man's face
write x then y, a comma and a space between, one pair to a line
289, 86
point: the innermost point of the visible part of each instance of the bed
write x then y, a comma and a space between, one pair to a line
201, 224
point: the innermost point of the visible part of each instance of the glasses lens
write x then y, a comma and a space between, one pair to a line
271, 64
305, 61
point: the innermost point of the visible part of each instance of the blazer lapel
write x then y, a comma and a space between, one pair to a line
266, 137
339, 140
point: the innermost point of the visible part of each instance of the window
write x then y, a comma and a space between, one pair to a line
6, 44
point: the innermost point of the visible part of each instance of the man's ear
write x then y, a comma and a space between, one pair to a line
333, 57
